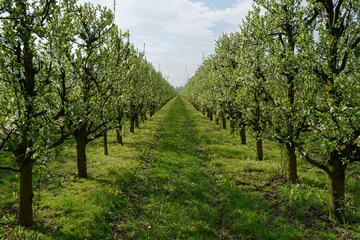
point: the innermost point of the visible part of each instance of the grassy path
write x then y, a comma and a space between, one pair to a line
174, 195
178, 177
195, 182
178, 194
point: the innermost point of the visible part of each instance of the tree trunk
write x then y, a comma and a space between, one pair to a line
291, 163
259, 149
137, 120
210, 116
232, 127
242, 134
81, 142
106, 150
257, 128
217, 119
223, 121
119, 136
132, 124
151, 111
337, 187
26, 195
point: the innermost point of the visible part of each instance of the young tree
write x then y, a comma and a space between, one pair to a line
120, 61
135, 87
90, 113
254, 72
277, 31
31, 119
332, 56
227, 84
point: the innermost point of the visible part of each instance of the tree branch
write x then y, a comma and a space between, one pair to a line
97, 128
9, 169
316, 163
337, 11
63, 137
355, 43
312, 18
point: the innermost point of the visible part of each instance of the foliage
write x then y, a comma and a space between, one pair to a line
64, 70
294, 71
179, 175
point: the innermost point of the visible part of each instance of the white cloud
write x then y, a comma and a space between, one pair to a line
176, 32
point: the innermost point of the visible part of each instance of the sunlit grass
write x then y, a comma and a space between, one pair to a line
285, 206
179, 176
66, 207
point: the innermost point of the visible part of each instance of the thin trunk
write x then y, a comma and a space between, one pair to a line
119, 136
106, 149
119, 130
132, 124
137, 120
337, 188
223, 121
26, 195
232, 126
259, 149
291, 163
290, 146
81, 159
25, 178
242, 134
144, 117
242, 129
217, 119
81, 142
257, 128
210, 116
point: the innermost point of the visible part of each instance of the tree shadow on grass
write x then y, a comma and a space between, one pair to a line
176, 193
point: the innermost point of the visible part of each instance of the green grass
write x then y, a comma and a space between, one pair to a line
300, 211
178, 177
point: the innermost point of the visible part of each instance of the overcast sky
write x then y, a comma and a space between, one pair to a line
177, 33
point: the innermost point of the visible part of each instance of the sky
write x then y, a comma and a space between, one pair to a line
177, 33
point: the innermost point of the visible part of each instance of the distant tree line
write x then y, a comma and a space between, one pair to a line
179, 88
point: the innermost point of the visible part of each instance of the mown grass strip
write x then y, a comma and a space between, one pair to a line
178, 194
172, 194
179, 177
288, 211
70, 208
